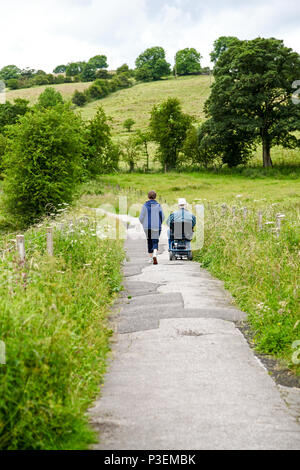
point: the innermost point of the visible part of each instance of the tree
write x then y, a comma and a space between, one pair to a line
99, 62
102, 156
143, 138
251, 96
187, 62
221, 45
152, 64
43, 162
128, 124
60, 69
169, 125
9, 71
75, 68
89, 73
131, 152
49, 98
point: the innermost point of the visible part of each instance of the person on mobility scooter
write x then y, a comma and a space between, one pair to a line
181, 230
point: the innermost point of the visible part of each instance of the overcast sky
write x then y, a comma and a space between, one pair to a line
44, 33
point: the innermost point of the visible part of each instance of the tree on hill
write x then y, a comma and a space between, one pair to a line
251, 96
123, 68
187, 62
9, 71
60, 69
220, 45
169, 126
152, 65
128, 124
75, 68
89, 73
99, 62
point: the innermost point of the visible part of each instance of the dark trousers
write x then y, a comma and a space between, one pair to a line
152, 240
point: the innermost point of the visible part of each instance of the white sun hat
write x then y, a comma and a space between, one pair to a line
182, 202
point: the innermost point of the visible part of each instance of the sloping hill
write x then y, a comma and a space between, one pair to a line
32, 94
137, 102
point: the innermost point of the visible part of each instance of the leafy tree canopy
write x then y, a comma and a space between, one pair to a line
251, 95
60, 69
49, 98
169, 125
152, 64
99, 62
187, 62
220, 45
9, 71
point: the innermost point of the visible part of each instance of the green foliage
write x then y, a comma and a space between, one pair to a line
43, 162
13, 84
152, 64
251, 95
54, 324
187, 62
79, 98
3, 142
128, 124
102, 156
49, 98
75, 68
99, 62
221, 45
131, 151
123, 69
9, 71
9, 113
60, 69
169, 125
89, 73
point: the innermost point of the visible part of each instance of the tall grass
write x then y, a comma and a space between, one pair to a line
54, 324
261, 269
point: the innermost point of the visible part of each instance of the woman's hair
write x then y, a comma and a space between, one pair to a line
152, 195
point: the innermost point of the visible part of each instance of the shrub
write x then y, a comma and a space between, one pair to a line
79, 98
49, 98
13, 84
9, 113
43, 162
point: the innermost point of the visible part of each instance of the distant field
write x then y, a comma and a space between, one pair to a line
32, 94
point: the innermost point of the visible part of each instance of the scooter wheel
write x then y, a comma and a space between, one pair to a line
190, 256
171, 256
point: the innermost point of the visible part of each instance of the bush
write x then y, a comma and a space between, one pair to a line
79, 98
13, 84
49, 98
43, 162
3, 141
9, 113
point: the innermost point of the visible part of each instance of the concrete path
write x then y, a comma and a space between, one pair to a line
182, 375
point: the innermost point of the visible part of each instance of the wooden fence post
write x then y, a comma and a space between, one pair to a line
224, 209
260, 220
279, 218
21, 247
50, 240
245, 213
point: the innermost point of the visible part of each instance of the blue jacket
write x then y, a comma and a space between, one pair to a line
185, 221
152, 216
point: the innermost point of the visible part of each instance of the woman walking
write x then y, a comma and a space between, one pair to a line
151, 218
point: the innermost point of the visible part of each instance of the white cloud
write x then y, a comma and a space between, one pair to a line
44, 33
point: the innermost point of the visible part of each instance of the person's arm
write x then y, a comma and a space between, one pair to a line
143, 214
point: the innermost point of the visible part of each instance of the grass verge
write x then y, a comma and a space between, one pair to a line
54, 325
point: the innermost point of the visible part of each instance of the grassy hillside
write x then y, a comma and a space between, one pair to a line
32, 94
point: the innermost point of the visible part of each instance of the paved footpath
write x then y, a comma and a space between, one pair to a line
182, 376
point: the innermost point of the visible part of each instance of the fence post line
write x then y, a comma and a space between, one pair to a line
21, 247
50, 240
